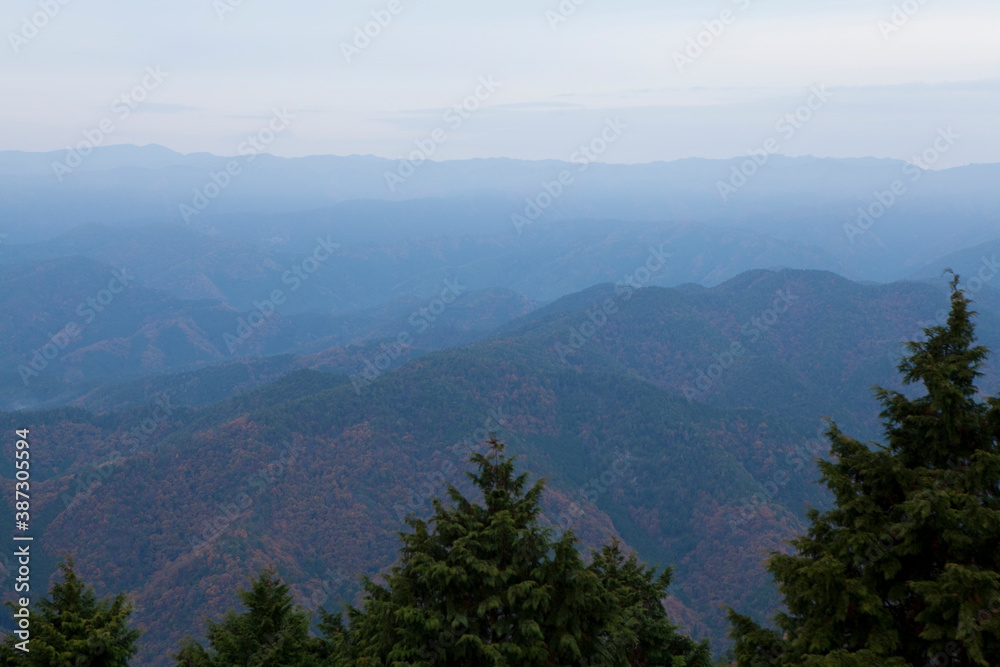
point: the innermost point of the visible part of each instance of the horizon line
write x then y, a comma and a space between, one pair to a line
484, 158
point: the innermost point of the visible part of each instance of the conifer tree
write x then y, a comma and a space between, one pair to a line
72, 628
641, 633
272, 632
905, 570
488, 585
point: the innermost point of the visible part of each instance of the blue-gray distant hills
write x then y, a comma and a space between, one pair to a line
660, 341
869, 219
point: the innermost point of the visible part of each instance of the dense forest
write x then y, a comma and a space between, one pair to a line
500, 334
902, 569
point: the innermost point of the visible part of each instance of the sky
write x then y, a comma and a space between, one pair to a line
830, 78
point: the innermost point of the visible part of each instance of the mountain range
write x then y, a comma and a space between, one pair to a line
281, 377
180, 498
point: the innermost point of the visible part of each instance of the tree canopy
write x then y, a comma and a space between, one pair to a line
488, 584
72, 627
272, 632
905, 569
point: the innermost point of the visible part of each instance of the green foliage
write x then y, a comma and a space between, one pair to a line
906, 568
755, 646
272, 632
641, 633
489, 585
73, 628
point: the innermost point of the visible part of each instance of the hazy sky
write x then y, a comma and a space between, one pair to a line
889, 87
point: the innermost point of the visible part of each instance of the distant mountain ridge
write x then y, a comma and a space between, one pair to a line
807, 201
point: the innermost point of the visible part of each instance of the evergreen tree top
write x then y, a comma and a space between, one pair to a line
72, 626
905, 569
939, 429
486, 584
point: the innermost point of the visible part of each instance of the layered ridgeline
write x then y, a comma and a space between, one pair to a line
104, 304
73, 324
364, 255
879, 219
682, 421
